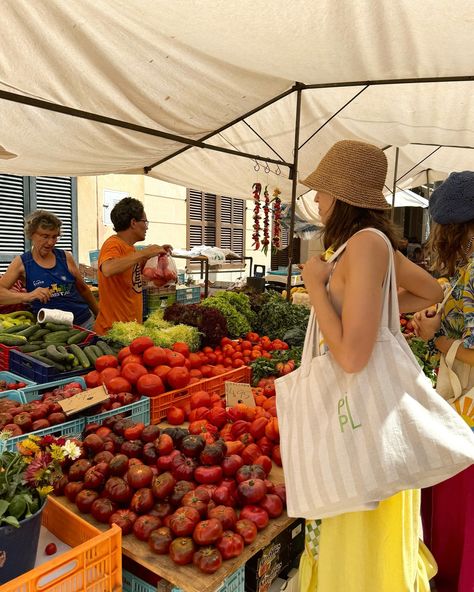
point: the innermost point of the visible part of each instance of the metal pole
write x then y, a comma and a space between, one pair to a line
394, 190
294, 179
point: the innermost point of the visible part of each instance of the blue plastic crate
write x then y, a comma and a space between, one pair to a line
191, 295
138, 411
93, 258
11, 377
132, 583
28, 367
13, 395
33, 392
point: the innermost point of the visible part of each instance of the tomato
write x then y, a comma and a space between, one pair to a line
107, 361
208, 531
124, 519
140, 344
184, 521
181, 348
150, 433
182, 550
230, 545
145, 525
162, 371
225, 514
250, 454
102, 509
180, 490
217, 416
118, 490
92, 379
133, 371
224, 496
271, 430
161, 510
231, 464
50, 549
178, 377
211, 474
206, 370
240, 426
160, 539
257, 427
276, 455
272, 504
265, 445
132, 448
251, 491
84, 500
123, 353
150, 455
175, 415
183, 467
131, 359
119, 465
175, 359
154, 356
265, 462
250, 472
139, 476
192, 445
163, 485
117, 384
150, 385
256, 514
213, 454
197, 415
247, 530
78, 469
200, 399
194, 373
207, 559
94, 478
107, 375
252, 337
142, 501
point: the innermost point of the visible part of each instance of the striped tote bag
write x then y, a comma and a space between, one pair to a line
349, 441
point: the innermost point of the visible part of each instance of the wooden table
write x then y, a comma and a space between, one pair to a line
188, 577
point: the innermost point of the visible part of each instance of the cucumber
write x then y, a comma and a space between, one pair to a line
40, 333
80, 355
49, 362
17, 328
55, 355
77, 338
38, 352
105, 347
29, 331
11, 340
29, 347
57, 337
90, 353
57, 327
22, 313
37, 342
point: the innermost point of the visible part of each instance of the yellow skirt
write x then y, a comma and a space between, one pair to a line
375, 551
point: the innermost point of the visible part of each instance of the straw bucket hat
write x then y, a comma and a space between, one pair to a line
353, 172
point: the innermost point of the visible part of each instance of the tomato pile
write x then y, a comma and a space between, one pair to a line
150, 370
11, 386
22, 418
189, 495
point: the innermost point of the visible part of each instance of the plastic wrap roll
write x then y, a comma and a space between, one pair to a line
54, 315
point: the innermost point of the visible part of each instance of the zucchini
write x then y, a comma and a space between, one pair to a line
29, 331
105, 347
57, 337
77, 338
29, 347
11, 340
55, 355
56, 327
80, 355
17, 328
90, 353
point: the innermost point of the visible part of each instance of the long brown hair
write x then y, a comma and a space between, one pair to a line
345, 220
445, 246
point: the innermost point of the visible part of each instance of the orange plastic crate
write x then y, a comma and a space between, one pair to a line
179, 397
94, 564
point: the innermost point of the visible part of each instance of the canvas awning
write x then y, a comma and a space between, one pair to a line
86, 86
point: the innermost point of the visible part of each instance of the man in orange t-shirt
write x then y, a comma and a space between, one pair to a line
120, 266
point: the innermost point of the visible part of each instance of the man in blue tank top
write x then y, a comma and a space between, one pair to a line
50, 275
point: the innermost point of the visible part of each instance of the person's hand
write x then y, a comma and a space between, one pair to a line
316, 271
155, 251
426, 324
41, 294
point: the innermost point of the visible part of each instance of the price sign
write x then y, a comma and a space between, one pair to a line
84, 400
237, 392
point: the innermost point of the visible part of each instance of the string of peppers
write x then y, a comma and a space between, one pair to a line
266, 220
276, 238
256, 189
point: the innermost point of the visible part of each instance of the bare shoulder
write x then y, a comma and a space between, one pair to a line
368, 245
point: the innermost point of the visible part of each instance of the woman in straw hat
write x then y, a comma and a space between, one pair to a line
448, 508
376, 550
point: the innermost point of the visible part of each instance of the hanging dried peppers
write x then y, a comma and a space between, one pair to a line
266, 220
256, 189
276, 238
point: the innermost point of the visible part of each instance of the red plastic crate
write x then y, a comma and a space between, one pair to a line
179, 397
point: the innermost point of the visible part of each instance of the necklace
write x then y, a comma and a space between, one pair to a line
469, 245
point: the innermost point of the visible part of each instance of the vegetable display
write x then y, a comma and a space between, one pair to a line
210, 322
236, 310
278, 316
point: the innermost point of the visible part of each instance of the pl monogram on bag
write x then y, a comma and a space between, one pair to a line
349, 441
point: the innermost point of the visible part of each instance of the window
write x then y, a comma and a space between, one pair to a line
215, 221
19, 196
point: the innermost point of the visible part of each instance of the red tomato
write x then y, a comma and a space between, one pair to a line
200, 399
123, 353
231, 544
162, 371
104, 362
208, 532
181, 348
178, 377
206, 370
50, 549
256, 514
107, 374
175, 359
160, 540
145, 525
131, 359
265, 462
154, 356
225, 514
182, 550
150, 385
175, 415
272, 504
195, 360
134, 432
207, 559
118, 385
140, 344
132, 372
92, 379
247, 530
195, 373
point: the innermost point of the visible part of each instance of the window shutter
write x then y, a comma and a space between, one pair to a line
55, 195
12, 213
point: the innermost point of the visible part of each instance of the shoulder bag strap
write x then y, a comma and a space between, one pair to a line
453, 377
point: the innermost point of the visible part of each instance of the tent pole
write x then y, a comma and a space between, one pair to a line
294, 179
394, 190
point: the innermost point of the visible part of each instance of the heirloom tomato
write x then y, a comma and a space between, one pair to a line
247, 530
144, 525
207, 559
208, 531
230, 545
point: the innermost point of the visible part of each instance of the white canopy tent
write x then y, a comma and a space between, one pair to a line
101, 86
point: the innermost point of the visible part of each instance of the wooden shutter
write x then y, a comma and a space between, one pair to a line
12, 213
55, 194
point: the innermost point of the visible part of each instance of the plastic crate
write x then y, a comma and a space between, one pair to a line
94, 258
34, 391
11, 377
28, 367
191, 295
233, 583
93, 563
68, 429
132, 583
156, 298
179, 397
138, 411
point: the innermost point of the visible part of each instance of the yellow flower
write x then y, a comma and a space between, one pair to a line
28, 447
57, 452
45, 490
